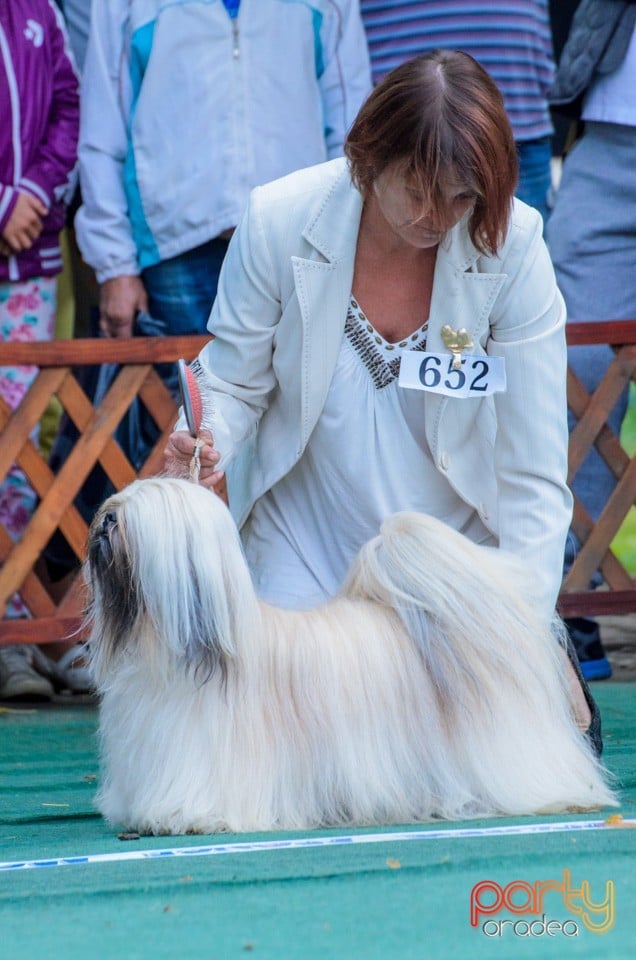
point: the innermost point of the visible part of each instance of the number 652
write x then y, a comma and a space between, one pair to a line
431, 372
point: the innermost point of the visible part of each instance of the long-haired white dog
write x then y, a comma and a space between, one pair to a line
428, 688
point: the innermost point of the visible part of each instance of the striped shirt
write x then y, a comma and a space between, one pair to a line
512, 40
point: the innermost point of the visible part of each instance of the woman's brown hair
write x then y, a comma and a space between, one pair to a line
437, 114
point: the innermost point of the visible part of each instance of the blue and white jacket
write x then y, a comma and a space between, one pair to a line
186, 108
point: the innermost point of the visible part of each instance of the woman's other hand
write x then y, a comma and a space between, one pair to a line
178, 457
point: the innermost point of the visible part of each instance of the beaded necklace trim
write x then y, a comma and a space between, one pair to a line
376, 353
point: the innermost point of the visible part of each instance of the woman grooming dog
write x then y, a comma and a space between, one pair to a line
389, 336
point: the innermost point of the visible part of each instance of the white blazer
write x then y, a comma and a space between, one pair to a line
279, 320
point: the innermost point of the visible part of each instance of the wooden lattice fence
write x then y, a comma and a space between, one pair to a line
56, 617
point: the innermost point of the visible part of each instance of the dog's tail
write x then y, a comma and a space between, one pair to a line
452, 595
497, 668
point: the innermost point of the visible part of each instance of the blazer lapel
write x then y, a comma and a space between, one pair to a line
323, 288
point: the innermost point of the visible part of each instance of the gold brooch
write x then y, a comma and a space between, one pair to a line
456, 341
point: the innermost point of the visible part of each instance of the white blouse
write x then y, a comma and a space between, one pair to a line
367, 458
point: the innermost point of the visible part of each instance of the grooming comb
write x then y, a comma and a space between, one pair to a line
198, 407
197, 400
190, 398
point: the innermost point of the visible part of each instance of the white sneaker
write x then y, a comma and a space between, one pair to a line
70, 672
19, 680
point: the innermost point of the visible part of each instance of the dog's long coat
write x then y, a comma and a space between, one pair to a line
429, 688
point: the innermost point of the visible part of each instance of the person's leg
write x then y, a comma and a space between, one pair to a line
27, 313
592, 239
586, 711
535, 177
181, 290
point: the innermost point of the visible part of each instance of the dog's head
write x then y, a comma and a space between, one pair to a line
167, 578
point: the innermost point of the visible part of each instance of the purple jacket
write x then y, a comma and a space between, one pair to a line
39, 126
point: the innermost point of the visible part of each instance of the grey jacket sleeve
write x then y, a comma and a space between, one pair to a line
597, 43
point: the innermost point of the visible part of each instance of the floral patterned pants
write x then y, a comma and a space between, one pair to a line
27, 313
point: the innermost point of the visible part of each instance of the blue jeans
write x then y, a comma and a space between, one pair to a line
535, 177
181, 290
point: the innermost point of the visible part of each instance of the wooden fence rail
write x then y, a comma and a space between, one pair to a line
55, 617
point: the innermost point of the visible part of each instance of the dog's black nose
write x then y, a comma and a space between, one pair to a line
108, 520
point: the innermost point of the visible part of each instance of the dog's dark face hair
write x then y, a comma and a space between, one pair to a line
110, 572
118, 561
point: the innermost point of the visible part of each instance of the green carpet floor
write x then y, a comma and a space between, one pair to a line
403, 896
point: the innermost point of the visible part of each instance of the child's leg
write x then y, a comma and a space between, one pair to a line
27, 313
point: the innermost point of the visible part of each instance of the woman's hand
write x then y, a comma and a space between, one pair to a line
178, 457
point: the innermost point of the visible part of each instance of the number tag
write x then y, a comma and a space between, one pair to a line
477, 377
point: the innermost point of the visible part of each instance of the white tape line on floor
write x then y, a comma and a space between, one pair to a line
300, 843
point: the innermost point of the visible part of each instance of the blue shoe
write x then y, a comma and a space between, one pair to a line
586, 638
